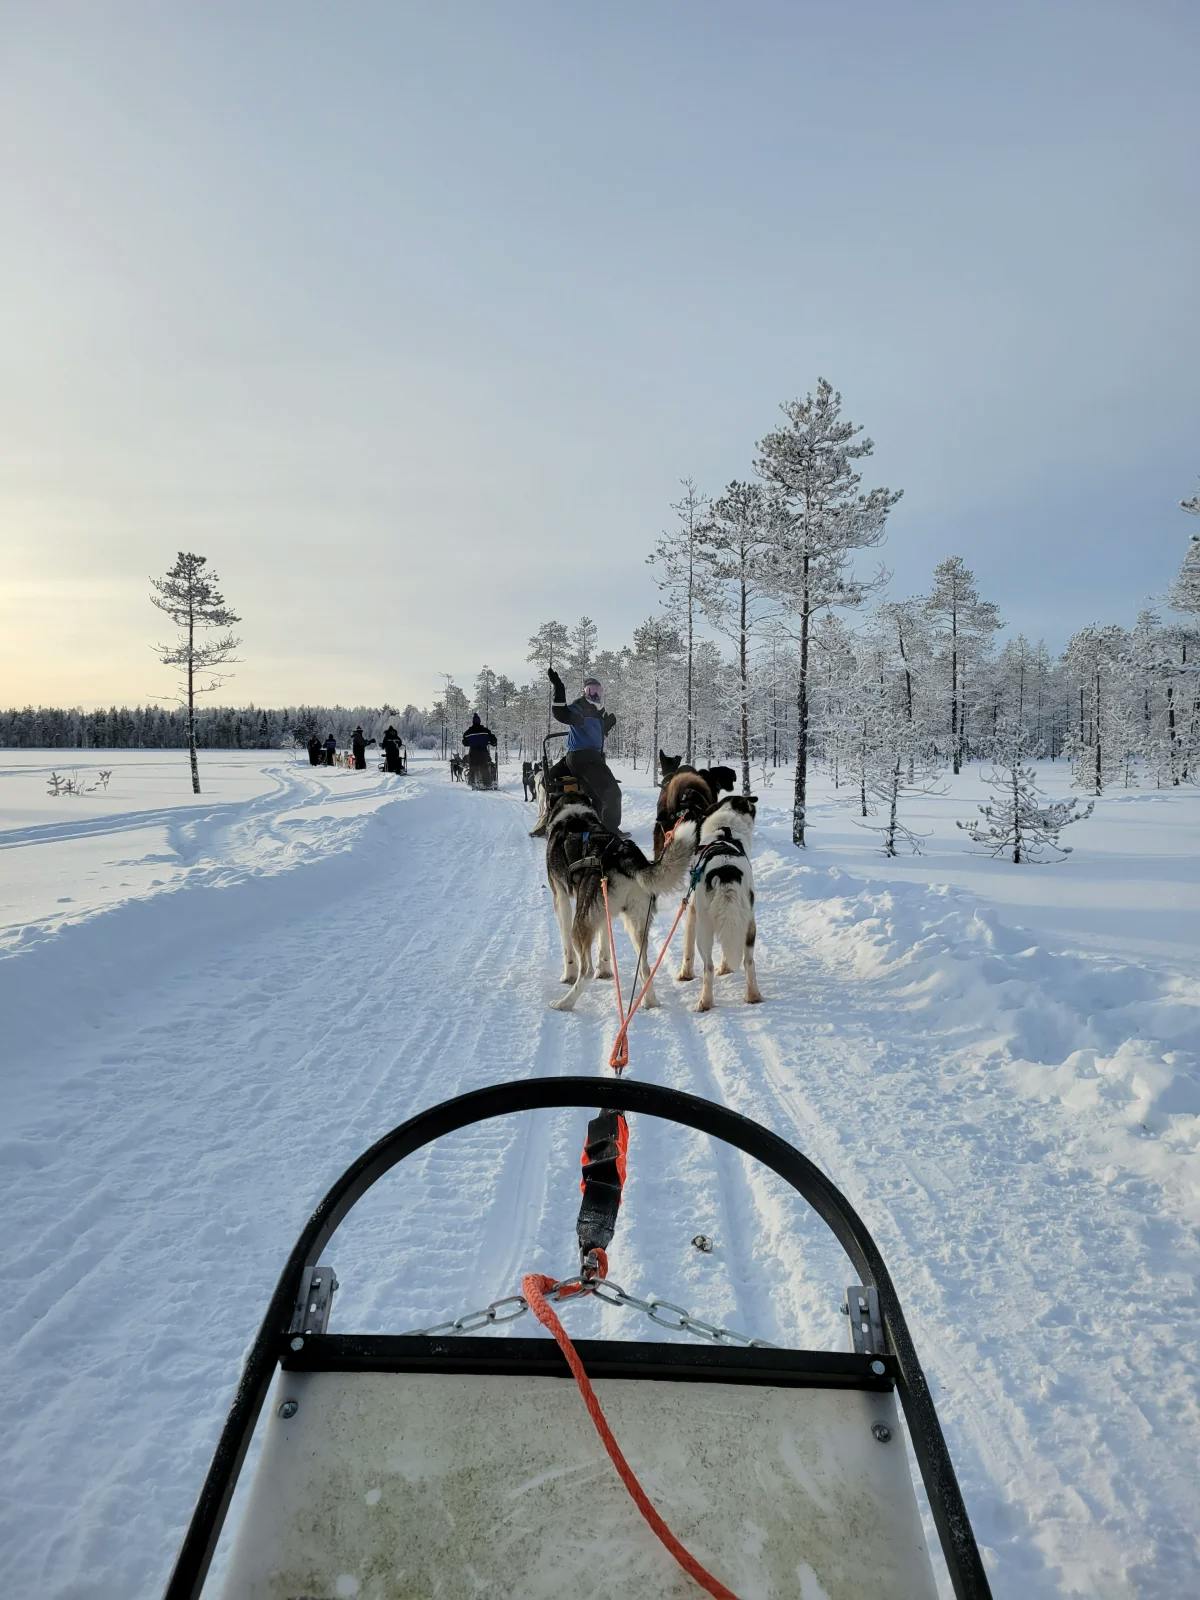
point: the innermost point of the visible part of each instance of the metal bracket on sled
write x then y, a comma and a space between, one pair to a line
313, 1304
866, 1325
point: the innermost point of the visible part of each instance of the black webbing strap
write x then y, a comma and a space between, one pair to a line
603, 1174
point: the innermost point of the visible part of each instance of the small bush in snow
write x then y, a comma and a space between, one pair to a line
1021, 819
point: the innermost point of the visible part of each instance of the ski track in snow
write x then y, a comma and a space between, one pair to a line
191, 1071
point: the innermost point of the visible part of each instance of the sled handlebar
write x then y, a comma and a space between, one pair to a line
967, 1577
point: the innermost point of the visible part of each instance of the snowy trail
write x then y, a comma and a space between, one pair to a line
228, 1049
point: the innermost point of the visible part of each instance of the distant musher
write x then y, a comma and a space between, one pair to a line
359, 743
392, 744
480, 741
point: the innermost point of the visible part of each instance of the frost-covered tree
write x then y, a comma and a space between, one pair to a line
1184, 593
833, 674
1020, 820
964, 625
736, 547
656, 650
485, 692
822, 518
682, 576
1094, 660
548, 649
190, 597
580, 655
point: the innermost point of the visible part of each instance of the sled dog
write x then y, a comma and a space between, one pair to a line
579, 854
686, 792
723, 899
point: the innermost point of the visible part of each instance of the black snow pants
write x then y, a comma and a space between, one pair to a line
590, 767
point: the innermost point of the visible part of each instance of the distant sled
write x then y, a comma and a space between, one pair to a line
445, 1464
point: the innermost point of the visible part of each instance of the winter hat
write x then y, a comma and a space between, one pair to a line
587, 682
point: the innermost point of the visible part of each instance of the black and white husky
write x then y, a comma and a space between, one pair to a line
580, 853
723, 900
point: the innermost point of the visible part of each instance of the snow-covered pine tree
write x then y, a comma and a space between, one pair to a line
1021, 821
580, 655
737, 547
821, 518
657, 649
1093, 659
905, 623
832, 678
682, 575
548, 649
190, 597
964, 625
485, 693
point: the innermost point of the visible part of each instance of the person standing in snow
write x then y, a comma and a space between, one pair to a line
314, 750
589, 723
359, 743
330, 750
479, 741
392, 744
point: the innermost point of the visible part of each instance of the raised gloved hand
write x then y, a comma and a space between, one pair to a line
555, 680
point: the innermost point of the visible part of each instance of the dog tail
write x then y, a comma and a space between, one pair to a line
669, 871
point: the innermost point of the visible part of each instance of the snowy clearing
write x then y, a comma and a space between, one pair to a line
211, 1006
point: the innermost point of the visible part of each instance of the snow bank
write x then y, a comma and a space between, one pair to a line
1092, 1032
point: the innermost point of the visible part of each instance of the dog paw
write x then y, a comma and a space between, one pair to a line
565, 1003
703, 1005
651, 1001
754, 999
724, 970
684, 976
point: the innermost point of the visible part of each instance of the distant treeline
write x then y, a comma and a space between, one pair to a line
217, 727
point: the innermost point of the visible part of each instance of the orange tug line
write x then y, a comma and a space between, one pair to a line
535, 1286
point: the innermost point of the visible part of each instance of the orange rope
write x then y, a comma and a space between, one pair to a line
619, 1058
534, 1286
620, 1047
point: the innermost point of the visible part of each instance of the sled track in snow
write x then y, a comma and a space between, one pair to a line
182, 1117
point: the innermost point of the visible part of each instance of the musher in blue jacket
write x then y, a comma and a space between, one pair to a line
588, 723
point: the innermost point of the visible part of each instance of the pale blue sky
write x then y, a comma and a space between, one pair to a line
411, 317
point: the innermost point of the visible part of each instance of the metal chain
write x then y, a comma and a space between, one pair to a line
677, 1318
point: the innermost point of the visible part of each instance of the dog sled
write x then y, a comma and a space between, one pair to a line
553, 780
451, 1462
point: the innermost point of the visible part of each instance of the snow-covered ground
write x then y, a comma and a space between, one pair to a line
209, 1007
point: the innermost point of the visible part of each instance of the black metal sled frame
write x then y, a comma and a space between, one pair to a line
278, 1345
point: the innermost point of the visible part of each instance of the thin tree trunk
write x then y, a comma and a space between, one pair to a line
687, 754
744, 694
890, 838
800, 798
956, 760
192, 700
1099, 763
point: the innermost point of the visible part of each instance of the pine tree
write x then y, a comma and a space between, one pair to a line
736, 547
822, 519
1021, 820
548, 648
1093, 658
683, 579
580, 655
967, 624
191, 599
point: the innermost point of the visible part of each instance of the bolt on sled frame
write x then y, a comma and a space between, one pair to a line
434, 1467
